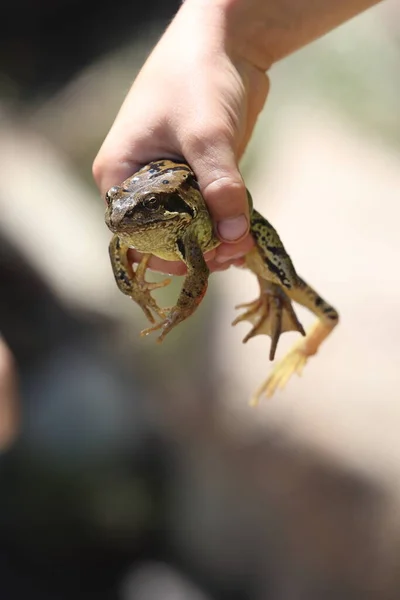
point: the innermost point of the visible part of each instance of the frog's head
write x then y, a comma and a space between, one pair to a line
136, 206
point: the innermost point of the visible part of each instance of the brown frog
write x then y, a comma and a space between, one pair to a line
160, 211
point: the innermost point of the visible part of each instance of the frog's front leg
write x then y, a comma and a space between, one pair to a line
296, 358
133, 283
193, 289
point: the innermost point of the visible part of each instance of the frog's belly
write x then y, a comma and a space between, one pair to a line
148, 243
166, 255
165, 248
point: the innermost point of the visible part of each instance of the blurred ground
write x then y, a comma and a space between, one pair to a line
141, 472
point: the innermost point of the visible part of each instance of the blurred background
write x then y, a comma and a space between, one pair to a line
133, 471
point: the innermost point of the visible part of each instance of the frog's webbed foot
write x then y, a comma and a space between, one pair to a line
294, 361
141, 291
271, 314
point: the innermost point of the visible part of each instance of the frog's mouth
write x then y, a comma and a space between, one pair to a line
144, 222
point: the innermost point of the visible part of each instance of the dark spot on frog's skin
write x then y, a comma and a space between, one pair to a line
156, 167
277, 250
123, 277
181, 248
329, 311
165, 181
180, 168
192, 182
118, 243
279, 272
257, 220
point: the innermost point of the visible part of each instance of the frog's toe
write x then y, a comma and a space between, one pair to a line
155, 285
155, 327
262, 316
142, 291
165, 325
293, 362
271, 314
251, 313
147, 312
170, 320
145, 299
149, 305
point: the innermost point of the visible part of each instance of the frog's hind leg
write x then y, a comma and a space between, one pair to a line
296, 358
271, 314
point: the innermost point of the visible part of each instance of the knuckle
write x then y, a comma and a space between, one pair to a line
225, 185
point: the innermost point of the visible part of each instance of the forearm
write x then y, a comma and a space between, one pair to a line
264, 31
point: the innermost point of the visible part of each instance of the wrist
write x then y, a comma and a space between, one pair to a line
238, 27
262, 32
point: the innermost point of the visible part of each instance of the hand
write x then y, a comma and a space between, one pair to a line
198, 100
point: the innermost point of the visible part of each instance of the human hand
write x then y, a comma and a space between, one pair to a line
195, 98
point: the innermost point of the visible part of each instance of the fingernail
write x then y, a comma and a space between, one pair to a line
233, 229
223, 259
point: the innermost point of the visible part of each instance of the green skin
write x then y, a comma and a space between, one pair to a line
160, 211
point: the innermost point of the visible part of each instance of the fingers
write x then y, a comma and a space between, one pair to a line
211, 156
226, 198
229, 253
127, 148
123, 152
105, 177
203, 119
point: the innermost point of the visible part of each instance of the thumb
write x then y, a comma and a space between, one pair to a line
223, 189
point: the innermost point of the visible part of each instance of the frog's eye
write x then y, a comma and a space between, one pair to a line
111, 193
151, 202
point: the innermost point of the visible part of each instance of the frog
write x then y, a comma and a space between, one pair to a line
160, 211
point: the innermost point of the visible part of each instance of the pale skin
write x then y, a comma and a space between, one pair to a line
202, 104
